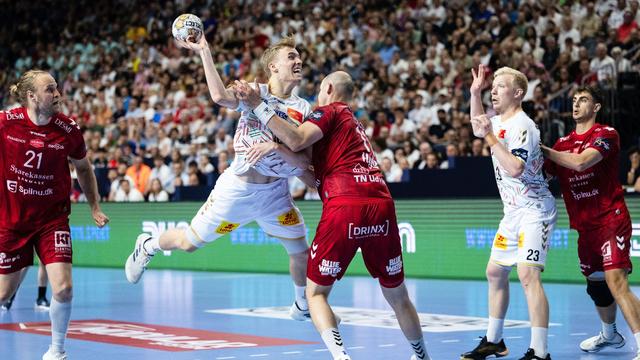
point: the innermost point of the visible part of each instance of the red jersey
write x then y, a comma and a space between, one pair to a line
593, 197
343, 160
34, 170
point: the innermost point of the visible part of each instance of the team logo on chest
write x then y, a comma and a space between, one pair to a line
36, 143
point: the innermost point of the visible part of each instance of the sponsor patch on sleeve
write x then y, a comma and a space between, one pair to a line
316, 115
521, 153
226, 227
602, 143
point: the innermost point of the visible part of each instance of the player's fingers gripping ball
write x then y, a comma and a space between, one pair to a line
187, 27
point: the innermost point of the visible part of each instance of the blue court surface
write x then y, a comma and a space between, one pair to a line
198, 315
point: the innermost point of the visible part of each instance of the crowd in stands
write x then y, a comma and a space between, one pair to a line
151, 127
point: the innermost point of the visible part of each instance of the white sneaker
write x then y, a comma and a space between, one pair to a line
298, 314
54, 355
599, 342
343, 357
138, 260
637, 356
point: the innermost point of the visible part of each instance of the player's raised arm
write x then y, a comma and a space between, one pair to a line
219, 94
476, 88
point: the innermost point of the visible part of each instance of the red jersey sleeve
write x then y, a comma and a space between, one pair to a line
322, 117
78, 149
606, 141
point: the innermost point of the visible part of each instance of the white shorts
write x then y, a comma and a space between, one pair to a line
523, 238
234, 203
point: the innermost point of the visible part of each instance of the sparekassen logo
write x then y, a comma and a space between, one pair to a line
359, 232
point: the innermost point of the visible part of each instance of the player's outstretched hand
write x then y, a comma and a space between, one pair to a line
481, 125
202, 44
478, 83
248, 93
100, 218
258, 151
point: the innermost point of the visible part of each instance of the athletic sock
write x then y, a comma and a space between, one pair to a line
494, 330
59, 314
419, 349
151, 246
301, 297
609, 330
42, 292
333, 342
539, 341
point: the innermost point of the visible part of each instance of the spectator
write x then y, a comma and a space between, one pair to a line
156, 192
139, 173
127, 193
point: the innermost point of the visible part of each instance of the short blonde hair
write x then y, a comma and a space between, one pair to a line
25, 83
272, 51
519, 79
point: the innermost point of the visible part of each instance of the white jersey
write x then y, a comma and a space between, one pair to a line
530, 190
251, 131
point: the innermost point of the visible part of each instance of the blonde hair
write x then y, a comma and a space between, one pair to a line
25, 83
272, 51
519, 79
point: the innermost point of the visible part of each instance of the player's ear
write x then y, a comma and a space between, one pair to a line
597, 107
273, 67
519, 93
330, 89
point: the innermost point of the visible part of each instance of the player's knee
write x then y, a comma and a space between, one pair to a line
600, 293
295, 247
63, 293
495, 273
529, 276
5, 295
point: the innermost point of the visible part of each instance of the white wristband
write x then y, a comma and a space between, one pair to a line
264, 113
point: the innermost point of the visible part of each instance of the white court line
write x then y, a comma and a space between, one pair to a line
225, 357
291, 352
513, 337
451, 341
258, 355
319, 350
386, 345
355, 347
578, 334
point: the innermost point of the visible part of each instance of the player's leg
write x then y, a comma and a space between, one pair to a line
503, 257
42, 303
54, 247
280, 218
591, 263
328, 260
15, 264
9, 284
209, 223
324, 319
60, 308
398, 299
535, 233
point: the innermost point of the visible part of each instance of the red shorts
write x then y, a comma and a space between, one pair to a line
52, 242
349, 224
605, 248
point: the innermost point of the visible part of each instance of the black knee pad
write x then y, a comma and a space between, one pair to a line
600, 293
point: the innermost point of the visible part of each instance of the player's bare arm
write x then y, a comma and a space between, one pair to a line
576, 162
296, 138
512, 164
219, 94
478, 84
87, 180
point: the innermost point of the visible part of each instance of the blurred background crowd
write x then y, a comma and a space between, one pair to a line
151, 127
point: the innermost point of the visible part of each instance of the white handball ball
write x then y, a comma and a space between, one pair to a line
187, 27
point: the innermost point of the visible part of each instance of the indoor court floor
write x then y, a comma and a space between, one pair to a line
186, 315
